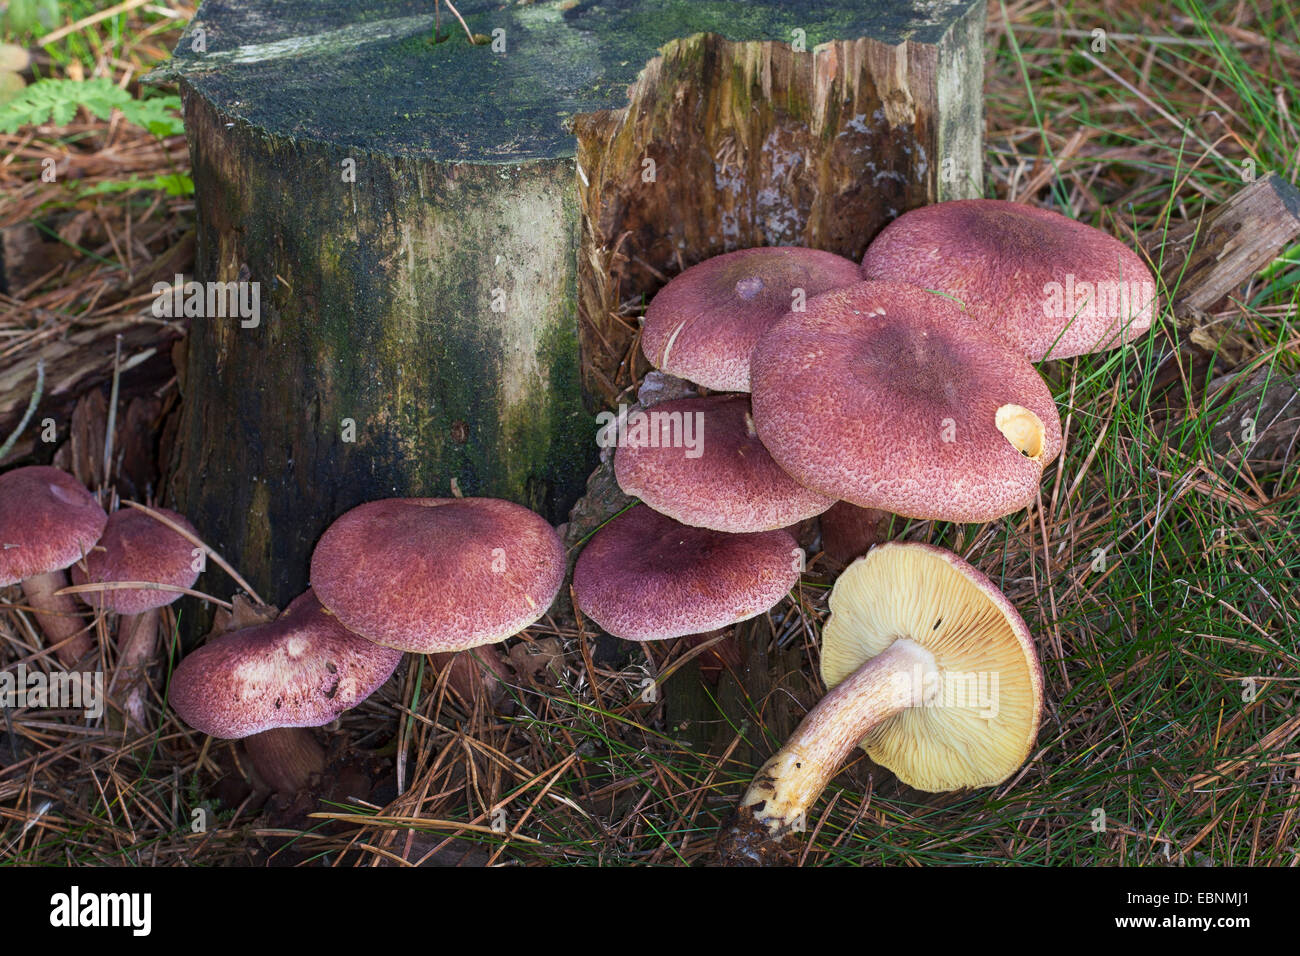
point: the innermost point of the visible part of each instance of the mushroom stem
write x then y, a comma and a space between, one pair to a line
849, 532
58, 616
774, 808
286, 757
137, 639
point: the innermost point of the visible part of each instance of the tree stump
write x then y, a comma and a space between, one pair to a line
452, 240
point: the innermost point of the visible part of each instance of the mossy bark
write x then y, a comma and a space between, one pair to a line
417, 337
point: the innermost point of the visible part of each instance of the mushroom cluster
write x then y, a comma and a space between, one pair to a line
450, 578
828, 389
709, 546
422, 575
866, 394
902, 386
132, 563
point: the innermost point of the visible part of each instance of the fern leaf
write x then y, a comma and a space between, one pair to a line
57, 100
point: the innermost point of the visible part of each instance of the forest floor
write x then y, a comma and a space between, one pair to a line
1157, 574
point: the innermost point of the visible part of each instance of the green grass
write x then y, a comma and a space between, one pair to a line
28, 21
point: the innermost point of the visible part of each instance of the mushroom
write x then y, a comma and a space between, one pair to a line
930, 670
267, 682
727, 481
888, 397
646, 577
1042, 282
48, 521
430, 575
135, 547
441, 575
703, 324
722, 480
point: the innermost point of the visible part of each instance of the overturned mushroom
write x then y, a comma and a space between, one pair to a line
930, 670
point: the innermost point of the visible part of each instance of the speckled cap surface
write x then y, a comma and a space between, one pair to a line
301, 670
135, 547
1040, 281
646, 577
725, 480
438, 574
887, 396
48, 520
985, 702
703, 325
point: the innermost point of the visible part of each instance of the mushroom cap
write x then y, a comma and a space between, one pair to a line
703, 325
884, 395
1041, 281
48, 520
727, 481
135, 547
438, 574
301, 670
982, 718
646, 577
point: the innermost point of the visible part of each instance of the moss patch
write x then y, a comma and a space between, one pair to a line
362, 74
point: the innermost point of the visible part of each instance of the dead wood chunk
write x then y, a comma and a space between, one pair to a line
659, 387
1223, 248
83, 454
78, 362
603, 499
1260, 422
1206, 260
137, 433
